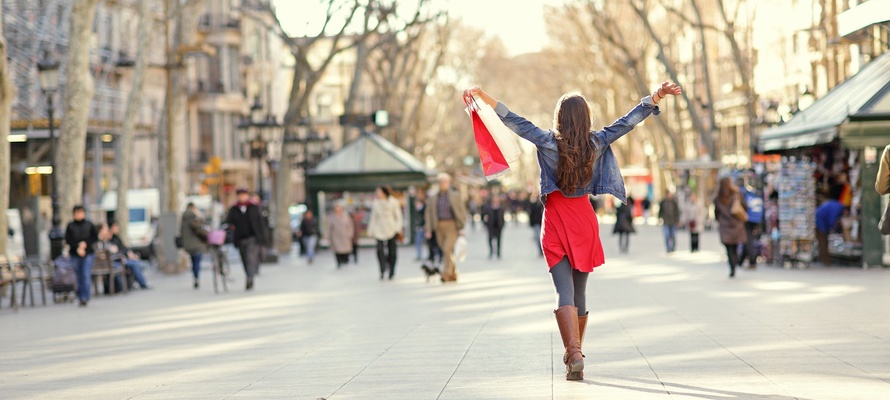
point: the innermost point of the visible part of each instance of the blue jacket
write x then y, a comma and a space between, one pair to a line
606, 178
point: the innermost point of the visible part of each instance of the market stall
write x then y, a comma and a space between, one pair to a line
352, 174
833, 135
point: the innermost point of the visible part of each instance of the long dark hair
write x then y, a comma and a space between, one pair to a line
386, 189
572, 121
726, 190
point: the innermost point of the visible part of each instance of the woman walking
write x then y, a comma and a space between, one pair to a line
194, 239
384, 226
732, 228
694, 213
340, 233
624, 226
493, 217
575, 162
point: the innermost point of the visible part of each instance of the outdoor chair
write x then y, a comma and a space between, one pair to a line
12, 273
104, 267
39, 272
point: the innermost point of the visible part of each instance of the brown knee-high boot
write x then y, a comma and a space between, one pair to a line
582, 326
567, 320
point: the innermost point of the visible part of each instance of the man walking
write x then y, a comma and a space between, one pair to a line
446, 214
81, 236
669, 213
245, 219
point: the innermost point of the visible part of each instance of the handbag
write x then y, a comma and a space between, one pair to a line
737, 211
884, 225
178, 242
460, 249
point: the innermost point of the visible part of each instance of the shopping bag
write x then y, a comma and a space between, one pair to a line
503, 136
460, 249
493, 162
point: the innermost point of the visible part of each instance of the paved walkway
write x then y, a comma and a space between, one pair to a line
660, 327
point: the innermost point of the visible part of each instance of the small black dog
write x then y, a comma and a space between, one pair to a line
430, 271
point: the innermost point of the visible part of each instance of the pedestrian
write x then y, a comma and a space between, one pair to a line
694, 214
309, 234
385, 226
257, 199
130, 259
474, 209
827, 216
575, 161
646, 204
731, 228
419, 235
624, 226
753, 224
357, 217
194, 239
535, 218
493, 218
446, 214
669, 214
81, 236
245, 219
340, 233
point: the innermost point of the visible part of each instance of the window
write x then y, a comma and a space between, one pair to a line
205, 137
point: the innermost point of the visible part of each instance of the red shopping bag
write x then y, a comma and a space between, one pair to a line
493, 162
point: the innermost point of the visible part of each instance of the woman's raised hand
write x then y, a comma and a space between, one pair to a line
669, 88
477, 91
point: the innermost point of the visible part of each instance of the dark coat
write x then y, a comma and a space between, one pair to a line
494, 220
246, 224
669, 212
535, 213
81, 231
732, 231
624, 220
194, 236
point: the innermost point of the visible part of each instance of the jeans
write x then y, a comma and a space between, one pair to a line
249, 256
386, 256
310, 242
196, 263
750, 251
419, 239
670, 237
83, 268
135, 268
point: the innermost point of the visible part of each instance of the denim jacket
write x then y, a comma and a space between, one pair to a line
606, 178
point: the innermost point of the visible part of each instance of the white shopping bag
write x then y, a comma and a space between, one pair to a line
503, 136
460, 249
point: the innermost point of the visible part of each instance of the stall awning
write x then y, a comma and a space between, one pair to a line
820, 122
871, 125
366, 163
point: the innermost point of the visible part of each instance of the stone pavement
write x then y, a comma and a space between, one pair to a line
660, 327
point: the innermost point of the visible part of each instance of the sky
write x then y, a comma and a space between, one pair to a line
519, 23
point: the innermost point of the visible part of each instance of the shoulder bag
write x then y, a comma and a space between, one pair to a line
737, 210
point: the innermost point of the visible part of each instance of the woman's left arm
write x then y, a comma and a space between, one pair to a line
648, 105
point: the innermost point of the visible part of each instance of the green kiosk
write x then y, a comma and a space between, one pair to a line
351, 175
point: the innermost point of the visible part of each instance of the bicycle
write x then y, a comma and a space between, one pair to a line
217, 239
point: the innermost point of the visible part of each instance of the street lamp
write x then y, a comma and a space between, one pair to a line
259, 130
48, 74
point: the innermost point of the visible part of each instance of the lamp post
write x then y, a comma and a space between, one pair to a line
259, 132
48, 74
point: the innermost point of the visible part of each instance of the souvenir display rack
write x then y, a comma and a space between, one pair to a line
797, 211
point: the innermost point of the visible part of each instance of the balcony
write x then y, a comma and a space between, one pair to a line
216, 22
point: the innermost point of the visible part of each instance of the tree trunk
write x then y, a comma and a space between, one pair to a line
745, 72
7, 94
78, 94
706, 71
283, 238
707, 140
125, 141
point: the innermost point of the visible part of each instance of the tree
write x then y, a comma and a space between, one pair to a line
78, 92
7, 94
340, 17
134, 99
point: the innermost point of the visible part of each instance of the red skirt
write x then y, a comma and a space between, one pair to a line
570, 229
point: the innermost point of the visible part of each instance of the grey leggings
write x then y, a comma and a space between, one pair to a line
571, 285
